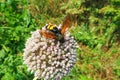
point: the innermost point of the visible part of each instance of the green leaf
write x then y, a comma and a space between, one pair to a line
7, 76
2, 54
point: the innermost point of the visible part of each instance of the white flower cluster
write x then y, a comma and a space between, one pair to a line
48, 58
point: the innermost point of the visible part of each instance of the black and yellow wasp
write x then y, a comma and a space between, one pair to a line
52, 31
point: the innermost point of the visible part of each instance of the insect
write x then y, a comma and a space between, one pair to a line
52, 31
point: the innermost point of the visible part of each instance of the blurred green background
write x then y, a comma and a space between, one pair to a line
95, 26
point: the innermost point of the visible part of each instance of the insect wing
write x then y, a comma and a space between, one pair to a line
48, 34
66, 24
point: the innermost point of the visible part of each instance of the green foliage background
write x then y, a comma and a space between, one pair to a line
95, 26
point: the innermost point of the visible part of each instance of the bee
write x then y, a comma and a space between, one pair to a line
53, 32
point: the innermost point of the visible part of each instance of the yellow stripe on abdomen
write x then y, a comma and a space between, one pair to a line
50, 27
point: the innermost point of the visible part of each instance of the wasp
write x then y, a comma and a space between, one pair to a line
53, 32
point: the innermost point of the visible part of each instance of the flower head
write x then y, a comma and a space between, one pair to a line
49, 58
